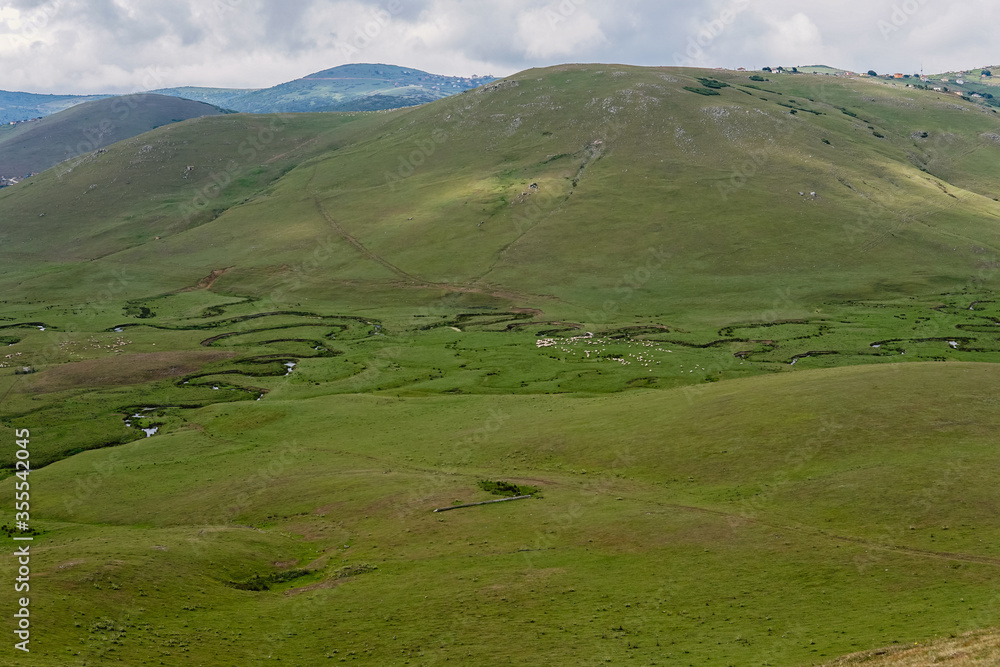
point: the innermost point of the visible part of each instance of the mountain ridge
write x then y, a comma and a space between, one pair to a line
387, 86
357, 87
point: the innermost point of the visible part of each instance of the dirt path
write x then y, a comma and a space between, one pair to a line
941, 555
292, 150
207, 281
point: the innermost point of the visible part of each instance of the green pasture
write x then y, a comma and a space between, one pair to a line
744, 345
679, 517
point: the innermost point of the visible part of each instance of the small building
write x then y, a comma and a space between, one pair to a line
897, 75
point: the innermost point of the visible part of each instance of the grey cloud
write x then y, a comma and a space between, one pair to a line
285, 27
109, 44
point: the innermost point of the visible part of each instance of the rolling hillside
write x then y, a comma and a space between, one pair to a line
361, 87
34, 147
805, 187
737, 339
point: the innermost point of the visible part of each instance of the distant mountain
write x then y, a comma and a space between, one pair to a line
24, 106
361, 87
346, 88
35, 146
227, 98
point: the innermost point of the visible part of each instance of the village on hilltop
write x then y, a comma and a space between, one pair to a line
962, 78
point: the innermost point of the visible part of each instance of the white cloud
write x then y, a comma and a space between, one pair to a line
10, 17
560, 29
794, 39
84, 46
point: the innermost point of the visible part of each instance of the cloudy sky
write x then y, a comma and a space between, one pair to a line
116, 46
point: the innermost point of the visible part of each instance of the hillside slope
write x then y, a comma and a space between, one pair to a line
302, 526
84, 128
567, 189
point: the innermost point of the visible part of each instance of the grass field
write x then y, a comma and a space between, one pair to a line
761, 424
863, 487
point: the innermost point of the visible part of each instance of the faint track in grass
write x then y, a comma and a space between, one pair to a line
343, 233
409, 277
809, 530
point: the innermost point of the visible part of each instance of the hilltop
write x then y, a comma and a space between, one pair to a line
34, 147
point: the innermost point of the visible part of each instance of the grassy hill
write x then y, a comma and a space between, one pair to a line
737, 338
360, 87
34, 147
707, 187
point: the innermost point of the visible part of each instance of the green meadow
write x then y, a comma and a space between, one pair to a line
739, 346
